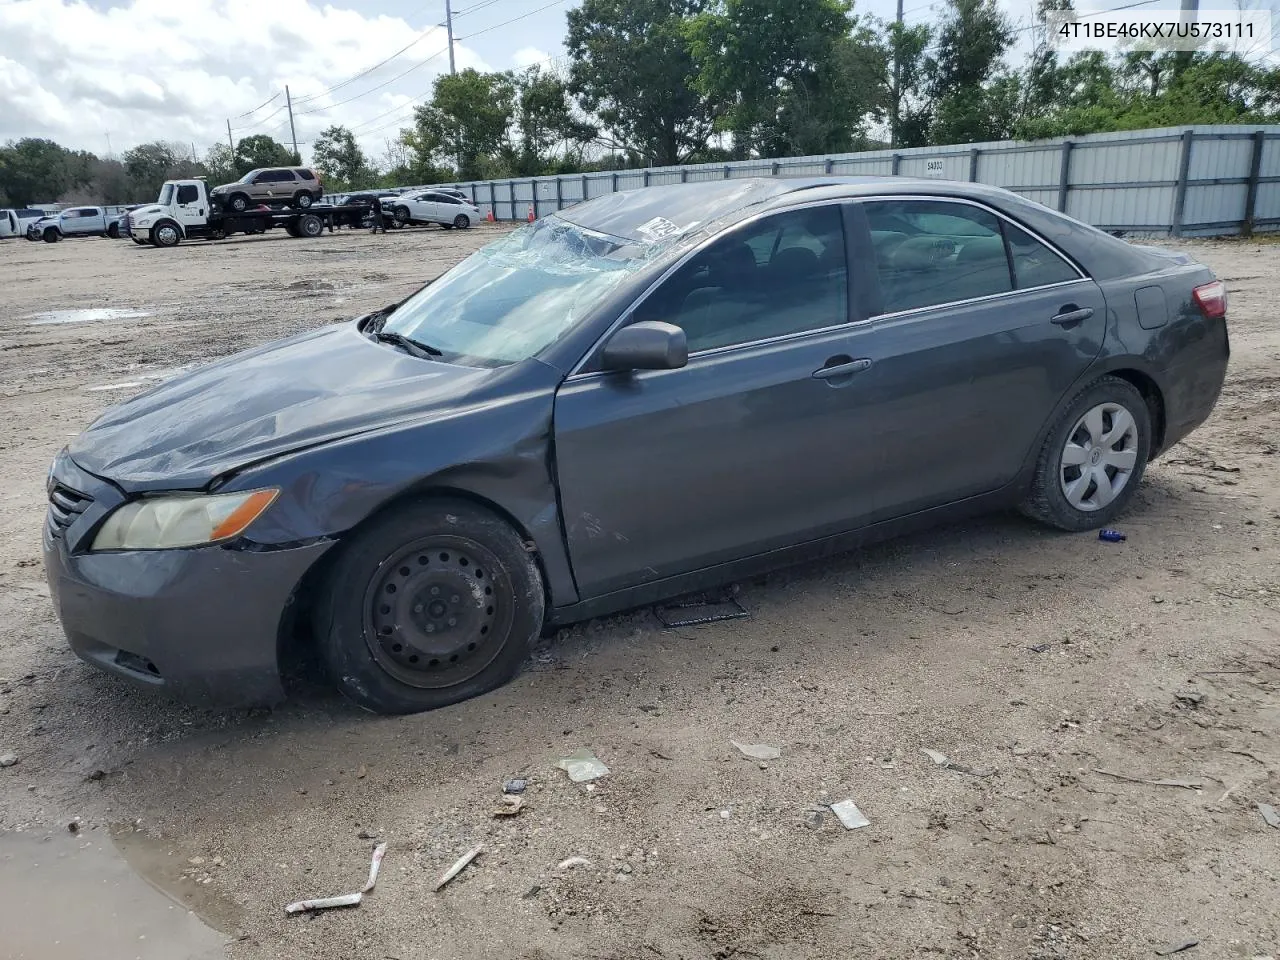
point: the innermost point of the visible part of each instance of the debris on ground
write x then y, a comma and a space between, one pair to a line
348, 899
1191, 699
1112, 536
510, 806
8, 759
848, 813
1177, 947
813, 819
942, 760
515, 786
582, 765
688, 613
572, 862
1189, 783
939, 758
1039, 648
757, 751
459, 865
1270, 815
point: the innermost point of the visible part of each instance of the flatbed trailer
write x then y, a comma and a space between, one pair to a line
184, 212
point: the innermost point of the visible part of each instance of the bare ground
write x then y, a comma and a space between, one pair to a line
1031, 658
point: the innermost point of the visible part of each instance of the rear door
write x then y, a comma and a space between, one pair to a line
975, 331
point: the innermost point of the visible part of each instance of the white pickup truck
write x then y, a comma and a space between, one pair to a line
14, 223
183, 212
72, 222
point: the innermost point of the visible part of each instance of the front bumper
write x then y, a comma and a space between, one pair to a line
201, 624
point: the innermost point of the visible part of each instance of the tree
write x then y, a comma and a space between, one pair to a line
910, 108
972, 100
34, 170
261, 150
547, 124
789, 76
631, 68
220, 163
467, 119
340, 159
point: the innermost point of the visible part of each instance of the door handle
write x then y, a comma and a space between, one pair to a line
837, 370
1071, 315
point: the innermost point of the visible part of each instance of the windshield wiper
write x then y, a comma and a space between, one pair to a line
422, 351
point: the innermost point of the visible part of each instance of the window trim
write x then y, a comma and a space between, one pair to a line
1081, 275
577, 373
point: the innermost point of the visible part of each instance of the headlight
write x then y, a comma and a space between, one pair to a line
159, 523
142, 222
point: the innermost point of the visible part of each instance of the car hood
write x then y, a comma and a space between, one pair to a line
144, 211
285, 396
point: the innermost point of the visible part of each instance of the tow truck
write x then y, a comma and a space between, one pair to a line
184, 211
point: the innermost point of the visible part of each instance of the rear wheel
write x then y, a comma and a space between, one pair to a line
310, 225
1093, 459
462, 221
432, 603
303, 199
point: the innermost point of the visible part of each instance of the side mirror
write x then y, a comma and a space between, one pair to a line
647, 345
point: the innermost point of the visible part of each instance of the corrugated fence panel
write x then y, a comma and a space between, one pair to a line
1123, 179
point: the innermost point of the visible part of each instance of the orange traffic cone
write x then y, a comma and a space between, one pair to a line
490, 216
531, 213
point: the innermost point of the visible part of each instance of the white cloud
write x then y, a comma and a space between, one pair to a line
528, 56
177, 69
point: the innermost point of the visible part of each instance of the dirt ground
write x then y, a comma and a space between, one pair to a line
1034, 660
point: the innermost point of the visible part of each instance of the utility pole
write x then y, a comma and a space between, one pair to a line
230, 142
448, 26
897, 80
292, 131
109, 152
1190, 13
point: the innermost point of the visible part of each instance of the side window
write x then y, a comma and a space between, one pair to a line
283, 176
1034, 264
70, 214
929, 252
264, 177
188, 194
783, 274
305, 174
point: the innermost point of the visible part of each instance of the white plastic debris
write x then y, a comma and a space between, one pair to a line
348, 899
459, 865
757, 751
848, 813
572, 862
939, 758
1269, 815
582, 765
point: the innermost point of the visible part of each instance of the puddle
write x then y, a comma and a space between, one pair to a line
68, 897
89, 315
144, 380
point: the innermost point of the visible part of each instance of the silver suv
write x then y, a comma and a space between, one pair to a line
297, 186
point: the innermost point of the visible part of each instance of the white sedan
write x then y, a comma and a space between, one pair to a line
431, 206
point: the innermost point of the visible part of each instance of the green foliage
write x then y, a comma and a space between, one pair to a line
35, 171
340, 160
261, 150
465, 121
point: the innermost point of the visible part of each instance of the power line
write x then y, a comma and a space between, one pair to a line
421, 63
496, 26
258, 107
264, 120
369, 70
473, 9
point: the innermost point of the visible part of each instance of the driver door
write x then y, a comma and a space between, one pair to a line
190, 206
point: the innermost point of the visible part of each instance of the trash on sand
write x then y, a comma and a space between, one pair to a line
1270, 815
849, 814
510, 806
688, 613
346, 900
1112, 536
459, 865
1039, 648
1178, 947
1188, 698
8, 759
1189, 784
757, 751
573, 862
582, 765
942, 760
939, 758
515, 786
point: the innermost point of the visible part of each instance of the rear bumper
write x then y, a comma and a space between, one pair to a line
201, 624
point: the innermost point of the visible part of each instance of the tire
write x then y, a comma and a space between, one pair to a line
238, 202
292, 229
141, 243
400, 215
1068, 495
446, 226
113, 232
166, 234
309, 225
51, 235
302, 200
462, 221
428, 564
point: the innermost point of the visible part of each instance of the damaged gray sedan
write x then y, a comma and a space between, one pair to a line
642, 396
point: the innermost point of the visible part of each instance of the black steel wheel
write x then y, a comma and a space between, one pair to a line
429, 604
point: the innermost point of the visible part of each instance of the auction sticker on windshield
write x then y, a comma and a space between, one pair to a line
657, 228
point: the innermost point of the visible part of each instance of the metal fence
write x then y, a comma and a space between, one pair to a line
1179, 181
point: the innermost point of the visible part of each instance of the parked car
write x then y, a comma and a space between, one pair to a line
296, 186
118, 223
72, 222
651, 393
14, 222
432, 206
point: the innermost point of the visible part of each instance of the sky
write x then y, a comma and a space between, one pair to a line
105, 75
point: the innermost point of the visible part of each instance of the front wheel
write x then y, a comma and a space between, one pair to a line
51, 236
401, 215
238, 203
166, 234
1093, 458
113, 231
462, 221
429, 604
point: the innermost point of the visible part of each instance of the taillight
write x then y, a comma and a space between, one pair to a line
1211, 298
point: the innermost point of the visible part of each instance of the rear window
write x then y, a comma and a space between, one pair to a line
305, 174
